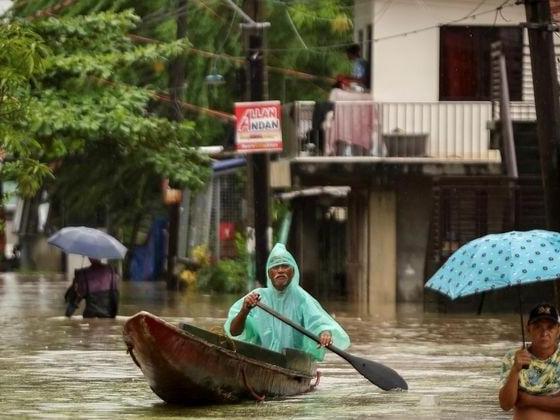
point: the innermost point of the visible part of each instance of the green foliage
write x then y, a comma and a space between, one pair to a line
22, 57
93, 113
226, 276
213, 26
100, 131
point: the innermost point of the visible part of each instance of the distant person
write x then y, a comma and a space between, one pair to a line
285, 295
97, 284
13, 262
358, 80
531, 377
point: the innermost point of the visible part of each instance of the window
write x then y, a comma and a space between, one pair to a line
465, 61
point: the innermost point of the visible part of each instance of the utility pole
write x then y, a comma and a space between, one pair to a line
545, 83
176, 88
547, 106
258, 162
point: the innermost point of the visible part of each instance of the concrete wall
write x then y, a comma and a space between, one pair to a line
406, 68
372, 248
414, 206
5, 5
37, 254
307, 253
386, 265
357, 256
382, 255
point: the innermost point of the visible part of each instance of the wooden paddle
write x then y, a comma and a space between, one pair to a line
378, 374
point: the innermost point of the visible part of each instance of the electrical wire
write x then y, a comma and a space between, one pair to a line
161, 15
293, 26
180, 11
223, 116
384, 9
478, 6
401, 34
221, 47
241, 60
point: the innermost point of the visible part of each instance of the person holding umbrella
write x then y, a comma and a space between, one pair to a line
97, 284
515, 259
531, 377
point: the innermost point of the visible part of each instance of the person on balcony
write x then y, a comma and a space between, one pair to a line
285, 295
359, 79
531, 377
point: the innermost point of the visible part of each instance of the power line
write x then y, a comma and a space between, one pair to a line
241, 60
472, 15
162, 14
224, 116
384, 9
478, 6
403, 34
293, 26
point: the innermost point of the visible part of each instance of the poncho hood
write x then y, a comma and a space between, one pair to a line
280, 256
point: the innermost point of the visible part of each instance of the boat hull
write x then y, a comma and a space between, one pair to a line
184, 368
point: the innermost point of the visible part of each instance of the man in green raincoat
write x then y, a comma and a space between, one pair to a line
285, 295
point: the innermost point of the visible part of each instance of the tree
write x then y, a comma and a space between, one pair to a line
214, 27
107, 134
22, 57
96, 128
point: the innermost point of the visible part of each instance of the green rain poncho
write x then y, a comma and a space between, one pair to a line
293, 302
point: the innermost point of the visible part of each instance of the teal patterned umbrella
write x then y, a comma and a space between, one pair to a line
497, 261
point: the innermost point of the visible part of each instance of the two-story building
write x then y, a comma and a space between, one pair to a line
390, 183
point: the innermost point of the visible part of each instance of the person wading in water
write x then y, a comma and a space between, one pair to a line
531, 377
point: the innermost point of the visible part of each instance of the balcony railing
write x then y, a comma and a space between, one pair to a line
423, 131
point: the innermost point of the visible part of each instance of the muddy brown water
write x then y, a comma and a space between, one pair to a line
54, 367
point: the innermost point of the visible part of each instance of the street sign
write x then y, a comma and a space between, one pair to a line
258, 127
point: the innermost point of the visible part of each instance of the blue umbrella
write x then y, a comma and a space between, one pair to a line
90, 242
497, 261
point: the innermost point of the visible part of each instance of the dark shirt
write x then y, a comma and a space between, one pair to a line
97, 284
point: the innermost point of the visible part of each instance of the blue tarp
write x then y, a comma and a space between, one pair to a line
226, 164
147, 261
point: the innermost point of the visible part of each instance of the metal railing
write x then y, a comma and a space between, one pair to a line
428, 130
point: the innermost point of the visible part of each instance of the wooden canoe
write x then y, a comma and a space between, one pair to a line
190, 366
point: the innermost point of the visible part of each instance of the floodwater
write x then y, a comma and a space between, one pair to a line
54, 367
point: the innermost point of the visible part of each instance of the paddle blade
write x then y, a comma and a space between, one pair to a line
380, 375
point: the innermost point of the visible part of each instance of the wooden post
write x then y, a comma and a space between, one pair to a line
547, 105
545, 83
259, 163
176, 88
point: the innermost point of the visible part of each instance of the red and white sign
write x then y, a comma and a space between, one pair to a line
258, 127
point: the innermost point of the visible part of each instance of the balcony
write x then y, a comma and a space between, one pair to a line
393, 132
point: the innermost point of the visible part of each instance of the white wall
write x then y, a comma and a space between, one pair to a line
4, 5
406, 68
362, 18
